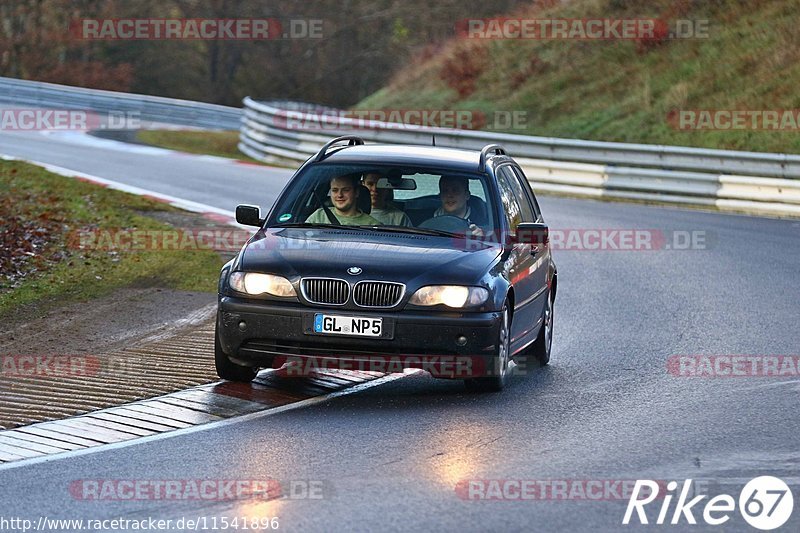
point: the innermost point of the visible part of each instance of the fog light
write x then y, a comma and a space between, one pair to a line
242, 325
461, 340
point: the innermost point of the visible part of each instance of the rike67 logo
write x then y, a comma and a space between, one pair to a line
766, 503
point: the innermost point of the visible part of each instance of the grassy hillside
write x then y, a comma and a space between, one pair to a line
619, 90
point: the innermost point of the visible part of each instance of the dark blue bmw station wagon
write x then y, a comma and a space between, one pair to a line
422, 256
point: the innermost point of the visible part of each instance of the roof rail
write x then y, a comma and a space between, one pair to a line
353, 140
496, 148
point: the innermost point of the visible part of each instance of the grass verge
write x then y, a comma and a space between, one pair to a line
219, 143
41, 264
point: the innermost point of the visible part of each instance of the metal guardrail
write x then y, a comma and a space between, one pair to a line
149, 108
755, 182
275, 132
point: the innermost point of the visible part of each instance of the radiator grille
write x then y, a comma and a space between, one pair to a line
326, 291
378, 293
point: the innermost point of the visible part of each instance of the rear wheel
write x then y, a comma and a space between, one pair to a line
540, 349
500, 367
227, 369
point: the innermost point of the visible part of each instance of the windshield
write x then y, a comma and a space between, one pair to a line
409, 199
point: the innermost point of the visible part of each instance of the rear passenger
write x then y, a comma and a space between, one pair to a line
382, 206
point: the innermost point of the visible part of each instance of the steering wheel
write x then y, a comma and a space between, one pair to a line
449, 223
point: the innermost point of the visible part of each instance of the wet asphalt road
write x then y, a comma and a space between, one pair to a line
206, 180
607, 408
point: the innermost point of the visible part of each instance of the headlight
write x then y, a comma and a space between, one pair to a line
455, 296
255, 283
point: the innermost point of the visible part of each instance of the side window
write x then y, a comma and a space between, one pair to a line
511, 206
526, 210
525, 188
476, 189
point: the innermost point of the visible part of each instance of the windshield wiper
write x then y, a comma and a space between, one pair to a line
311, 225
395, 229
408, 229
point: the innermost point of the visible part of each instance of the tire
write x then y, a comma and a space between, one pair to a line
227, 369
499, 378
541, 348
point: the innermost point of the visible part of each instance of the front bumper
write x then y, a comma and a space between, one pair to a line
268, 334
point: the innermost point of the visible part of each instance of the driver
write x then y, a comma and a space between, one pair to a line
344, 196
454, 194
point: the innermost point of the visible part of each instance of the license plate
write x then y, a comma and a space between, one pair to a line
347, 325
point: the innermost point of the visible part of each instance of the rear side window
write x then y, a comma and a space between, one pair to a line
526, 209
526, 191
428, 185
511, 207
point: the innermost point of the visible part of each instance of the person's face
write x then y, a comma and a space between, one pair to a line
454, 197
343, 195
376, 195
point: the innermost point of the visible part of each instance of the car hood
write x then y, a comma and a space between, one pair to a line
407, 258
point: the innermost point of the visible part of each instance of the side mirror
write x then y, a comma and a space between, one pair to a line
249, 215
533, 233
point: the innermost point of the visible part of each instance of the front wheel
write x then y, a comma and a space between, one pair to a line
227, 369
498, 380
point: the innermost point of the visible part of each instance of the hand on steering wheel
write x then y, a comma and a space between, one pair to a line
476, 231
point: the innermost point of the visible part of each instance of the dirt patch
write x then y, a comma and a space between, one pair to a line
26, 238
63, 240
114, 321
86, 326
131, 345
